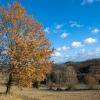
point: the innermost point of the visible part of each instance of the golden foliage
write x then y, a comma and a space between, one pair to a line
29, 49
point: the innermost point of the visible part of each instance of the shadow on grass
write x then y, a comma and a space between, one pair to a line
2, 93
67, 90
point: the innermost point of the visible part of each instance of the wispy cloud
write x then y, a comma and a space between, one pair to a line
84, 2
95, 30
75, 24
64, 48
85, 54
76, 44
64, 35
56, 54
82, 54
47, 30
59, 26
87, 41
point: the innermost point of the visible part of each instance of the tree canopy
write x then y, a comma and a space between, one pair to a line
28, 48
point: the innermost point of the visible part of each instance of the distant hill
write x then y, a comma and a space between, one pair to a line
83, 68
79, 65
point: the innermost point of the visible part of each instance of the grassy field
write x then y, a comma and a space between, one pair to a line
34, 94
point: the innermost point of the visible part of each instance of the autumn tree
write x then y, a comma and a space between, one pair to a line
28, 49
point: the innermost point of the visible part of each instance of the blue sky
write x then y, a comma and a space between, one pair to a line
72, 26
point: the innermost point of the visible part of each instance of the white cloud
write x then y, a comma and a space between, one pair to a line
57, 54
89, 54
59, 26
95, 30
47, 30
98, 50
59, 49
64, 48
75, 24
90, 40
67, 56
64, 35
84, 54
76, 44
84, 2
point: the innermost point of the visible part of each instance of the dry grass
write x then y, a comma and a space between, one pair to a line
33, 94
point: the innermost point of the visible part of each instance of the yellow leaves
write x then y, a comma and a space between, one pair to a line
37, 27
14, 62
4, 13
16, 5
10, 12
30, 50
25, 75
20, 12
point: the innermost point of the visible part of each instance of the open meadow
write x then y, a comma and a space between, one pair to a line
37, 94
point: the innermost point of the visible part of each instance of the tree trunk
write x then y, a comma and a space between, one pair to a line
8, 85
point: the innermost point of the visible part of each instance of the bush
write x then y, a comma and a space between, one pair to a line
36, 84
81, 87
94, 87
69, 87
58, 89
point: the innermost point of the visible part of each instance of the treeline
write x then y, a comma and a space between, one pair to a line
74, 73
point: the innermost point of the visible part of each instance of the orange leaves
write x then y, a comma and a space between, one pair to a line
37, 27
23, 76
16, 5
20, 12
10, 12
4, 13
29, 49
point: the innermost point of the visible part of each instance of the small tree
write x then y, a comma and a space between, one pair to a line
71, 76
28, 49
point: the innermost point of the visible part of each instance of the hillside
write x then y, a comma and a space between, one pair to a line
83, 68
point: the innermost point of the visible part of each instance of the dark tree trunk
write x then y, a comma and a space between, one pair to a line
8, 85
